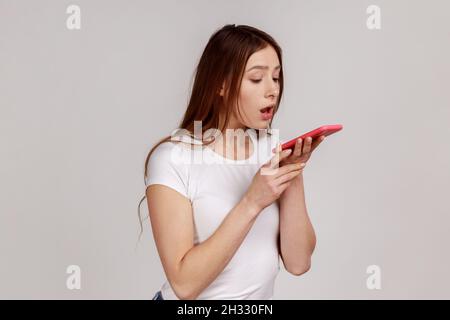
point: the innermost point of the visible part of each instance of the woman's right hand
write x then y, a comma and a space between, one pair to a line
271, 180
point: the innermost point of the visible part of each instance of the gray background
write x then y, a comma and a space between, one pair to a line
80, 110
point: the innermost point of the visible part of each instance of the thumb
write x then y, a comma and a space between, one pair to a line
277, 148
278, 157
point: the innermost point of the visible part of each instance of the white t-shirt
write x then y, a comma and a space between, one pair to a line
214, 185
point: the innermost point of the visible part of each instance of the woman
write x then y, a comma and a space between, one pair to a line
222, 213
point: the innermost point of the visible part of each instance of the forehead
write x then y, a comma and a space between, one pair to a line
266, 57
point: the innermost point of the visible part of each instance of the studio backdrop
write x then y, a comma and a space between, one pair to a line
88, 87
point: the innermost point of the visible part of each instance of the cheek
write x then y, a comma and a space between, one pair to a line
249, 98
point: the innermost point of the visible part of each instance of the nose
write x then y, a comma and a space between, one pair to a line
273, 89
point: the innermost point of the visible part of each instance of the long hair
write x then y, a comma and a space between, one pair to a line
223, 61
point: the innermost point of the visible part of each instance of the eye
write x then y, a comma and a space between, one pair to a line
259, 80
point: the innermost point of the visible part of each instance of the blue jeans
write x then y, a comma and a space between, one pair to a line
158, 296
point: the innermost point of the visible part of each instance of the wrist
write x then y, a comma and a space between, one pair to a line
294, 186
250, 206
299, 177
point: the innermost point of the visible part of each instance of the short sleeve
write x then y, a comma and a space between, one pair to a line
164, 167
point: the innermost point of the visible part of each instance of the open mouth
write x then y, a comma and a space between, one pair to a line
267, 109
267, 113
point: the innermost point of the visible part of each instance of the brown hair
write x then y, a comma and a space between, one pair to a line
223, 62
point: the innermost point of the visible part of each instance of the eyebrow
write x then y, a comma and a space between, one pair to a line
263, 67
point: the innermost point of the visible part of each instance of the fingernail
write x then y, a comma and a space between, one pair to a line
303, 164
288, 151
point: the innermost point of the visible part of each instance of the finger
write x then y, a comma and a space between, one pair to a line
307, 145
287, 177
279, 156
298, 148
317, 142
272, 167
286, 169
277, 148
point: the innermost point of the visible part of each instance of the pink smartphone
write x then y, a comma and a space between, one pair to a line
325, 130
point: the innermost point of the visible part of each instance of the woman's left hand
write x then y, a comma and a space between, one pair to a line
302, 150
